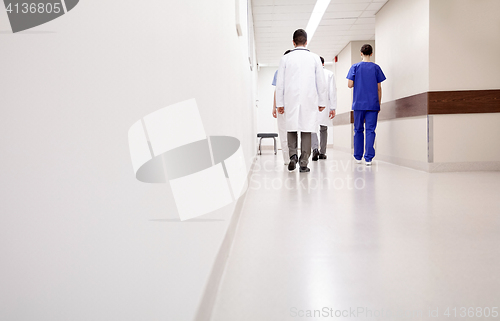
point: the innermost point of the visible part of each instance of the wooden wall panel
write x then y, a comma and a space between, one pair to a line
435, 103
410, 106
464, 102
343, 119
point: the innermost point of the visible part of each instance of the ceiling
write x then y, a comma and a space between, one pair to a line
344, 21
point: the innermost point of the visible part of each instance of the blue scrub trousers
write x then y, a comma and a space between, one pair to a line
361, 117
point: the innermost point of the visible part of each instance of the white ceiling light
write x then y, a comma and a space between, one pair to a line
316, 16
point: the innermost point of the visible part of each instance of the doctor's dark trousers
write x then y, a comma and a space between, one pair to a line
362, 117
305, 146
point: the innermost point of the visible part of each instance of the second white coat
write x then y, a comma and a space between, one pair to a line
323, 118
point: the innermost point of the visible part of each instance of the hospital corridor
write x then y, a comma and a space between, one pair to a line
356, 238
249, 160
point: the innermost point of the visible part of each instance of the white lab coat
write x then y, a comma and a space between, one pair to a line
301, 88
323, 117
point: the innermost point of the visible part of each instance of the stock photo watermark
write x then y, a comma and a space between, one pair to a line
326, 178
364, 312
215, 175
26, 14
307, 183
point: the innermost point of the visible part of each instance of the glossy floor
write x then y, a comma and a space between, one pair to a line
350, 242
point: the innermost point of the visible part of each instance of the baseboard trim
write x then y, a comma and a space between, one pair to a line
418, 165
464, 167
207, 302
441, 167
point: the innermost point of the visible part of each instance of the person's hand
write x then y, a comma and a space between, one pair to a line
281, 110
274, 113
321, 108
332, 114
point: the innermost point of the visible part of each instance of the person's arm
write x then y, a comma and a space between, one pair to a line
380, 77
274, 105
380, 93
333, 97
351, 76
321, 86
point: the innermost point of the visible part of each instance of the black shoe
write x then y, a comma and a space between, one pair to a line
293, 161
304, 169
322, 156
315, 154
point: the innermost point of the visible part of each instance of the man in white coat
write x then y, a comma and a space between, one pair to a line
301, 90
324, 117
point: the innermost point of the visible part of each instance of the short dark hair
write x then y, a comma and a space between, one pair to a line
286, 52
322, 60
367, 50
300, 37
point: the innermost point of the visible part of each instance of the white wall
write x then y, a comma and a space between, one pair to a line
330, 66
436, 45
82, 239
402, 38
265, 121
342, 136
344, 94
405, 139
466, 138
464, 44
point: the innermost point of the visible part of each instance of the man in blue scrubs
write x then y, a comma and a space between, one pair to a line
366, 78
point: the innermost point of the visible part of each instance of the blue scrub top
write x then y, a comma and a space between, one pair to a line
274, 79
366, 76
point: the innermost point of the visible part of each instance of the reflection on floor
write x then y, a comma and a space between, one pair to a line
355, 242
